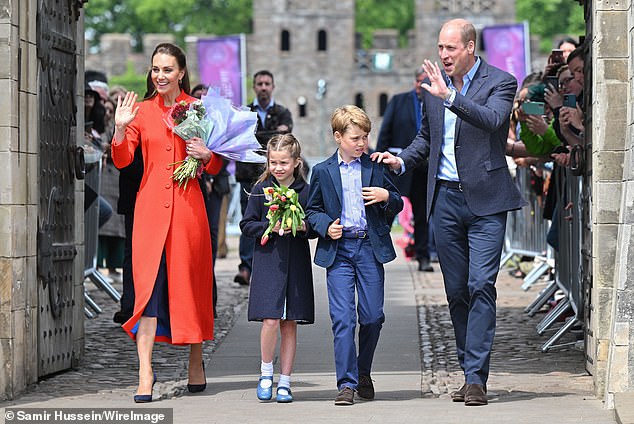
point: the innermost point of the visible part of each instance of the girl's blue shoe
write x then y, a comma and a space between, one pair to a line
265, 388
284, 395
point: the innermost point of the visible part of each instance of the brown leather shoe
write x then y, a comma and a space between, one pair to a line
458, 395
345, 397
475, 395
365, 388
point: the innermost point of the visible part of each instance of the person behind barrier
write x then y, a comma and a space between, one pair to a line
571, 116
536, 129
94, 113
112, 233
467, 110
171, 245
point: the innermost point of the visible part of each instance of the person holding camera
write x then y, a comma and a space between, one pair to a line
273, 118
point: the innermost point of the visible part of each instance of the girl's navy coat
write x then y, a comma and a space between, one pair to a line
282, 275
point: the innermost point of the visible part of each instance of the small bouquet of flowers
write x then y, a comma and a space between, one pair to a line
226, 130
187, 120
284, 207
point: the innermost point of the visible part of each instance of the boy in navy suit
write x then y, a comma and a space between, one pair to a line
352, 203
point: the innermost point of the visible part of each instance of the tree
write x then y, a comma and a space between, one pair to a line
179, 17
374, 14
551, 19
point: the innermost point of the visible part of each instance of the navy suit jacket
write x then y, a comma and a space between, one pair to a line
324, 206
398, 129
480, 140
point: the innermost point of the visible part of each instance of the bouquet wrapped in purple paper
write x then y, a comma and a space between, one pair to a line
233, 134
226, 130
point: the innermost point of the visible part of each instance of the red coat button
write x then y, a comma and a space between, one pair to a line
168, 148
167, 205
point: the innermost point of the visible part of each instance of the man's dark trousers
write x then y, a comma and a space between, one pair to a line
469, 249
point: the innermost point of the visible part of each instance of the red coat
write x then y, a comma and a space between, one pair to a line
171, 218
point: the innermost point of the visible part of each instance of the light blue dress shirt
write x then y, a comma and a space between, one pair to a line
262, 112
447, 169
352, 207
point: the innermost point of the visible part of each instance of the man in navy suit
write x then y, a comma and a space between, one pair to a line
351, 205
466, 112
401, 123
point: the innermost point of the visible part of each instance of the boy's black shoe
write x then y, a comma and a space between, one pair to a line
243, 277
425, 266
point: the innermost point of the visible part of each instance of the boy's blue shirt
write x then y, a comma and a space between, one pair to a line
325, 202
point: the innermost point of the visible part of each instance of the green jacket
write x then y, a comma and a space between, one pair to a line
539, 145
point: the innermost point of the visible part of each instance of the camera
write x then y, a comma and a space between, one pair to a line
570, 100
533, 108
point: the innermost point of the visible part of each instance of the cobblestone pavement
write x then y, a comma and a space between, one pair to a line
518, 367
519, 370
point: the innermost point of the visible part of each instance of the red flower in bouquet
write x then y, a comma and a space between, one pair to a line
284, 207
187, 120
179, 112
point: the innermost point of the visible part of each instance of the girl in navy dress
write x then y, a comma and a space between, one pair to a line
281, 289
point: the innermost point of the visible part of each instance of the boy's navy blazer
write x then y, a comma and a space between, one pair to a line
324, 207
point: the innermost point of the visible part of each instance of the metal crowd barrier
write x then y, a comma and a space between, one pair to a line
568, 258
526, 231
91, 237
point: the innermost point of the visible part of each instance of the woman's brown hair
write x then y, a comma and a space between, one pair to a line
176, 52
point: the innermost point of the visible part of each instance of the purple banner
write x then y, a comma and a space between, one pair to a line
506, 48
221, 66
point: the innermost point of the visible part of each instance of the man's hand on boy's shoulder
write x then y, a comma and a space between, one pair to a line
388, 159
372, 195
335, 230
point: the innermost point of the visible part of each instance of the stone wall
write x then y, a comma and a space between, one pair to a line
18, 196
613, 193
20, 214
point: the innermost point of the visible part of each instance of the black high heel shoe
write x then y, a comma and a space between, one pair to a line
197, 388
145, 398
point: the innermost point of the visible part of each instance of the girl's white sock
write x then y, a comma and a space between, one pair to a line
266, 368
285, 381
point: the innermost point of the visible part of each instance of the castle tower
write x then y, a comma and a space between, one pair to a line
302, 42
431, 14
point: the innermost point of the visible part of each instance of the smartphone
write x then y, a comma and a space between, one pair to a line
552, 82
570, 100
533, 108
557, 56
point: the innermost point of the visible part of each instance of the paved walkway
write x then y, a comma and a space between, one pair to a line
415, 366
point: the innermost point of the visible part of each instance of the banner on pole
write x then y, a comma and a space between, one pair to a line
221, 65
508, 47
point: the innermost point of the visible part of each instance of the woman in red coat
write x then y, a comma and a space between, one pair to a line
171, 245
